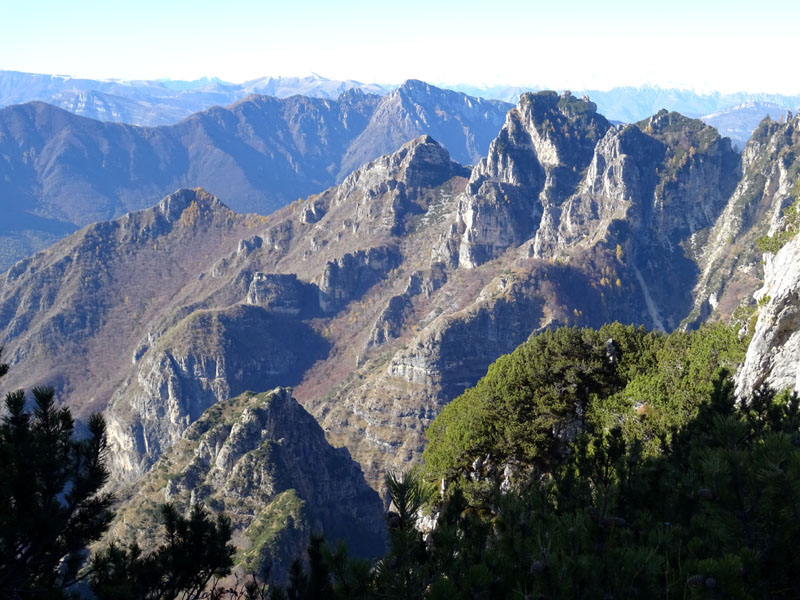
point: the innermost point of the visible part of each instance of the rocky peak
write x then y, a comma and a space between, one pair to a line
207, 357
730, 261
463, 124
382, 192
173, 205
415, 87
534, 163
422, 162
263, 460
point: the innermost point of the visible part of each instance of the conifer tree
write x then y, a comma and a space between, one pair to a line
51, 499
195, 551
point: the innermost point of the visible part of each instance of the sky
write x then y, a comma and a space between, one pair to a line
704, 45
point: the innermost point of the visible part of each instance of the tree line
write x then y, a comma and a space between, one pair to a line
609, 463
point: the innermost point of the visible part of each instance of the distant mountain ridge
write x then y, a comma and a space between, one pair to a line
739, 122
160, 102
628, 104
164, 101
381, 299
60, 171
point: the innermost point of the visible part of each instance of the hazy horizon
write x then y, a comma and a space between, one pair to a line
390, 85
700, 46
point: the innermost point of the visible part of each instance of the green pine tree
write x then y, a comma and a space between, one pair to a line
51, 499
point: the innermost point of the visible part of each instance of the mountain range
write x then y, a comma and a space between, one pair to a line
164, 102
383, 297
59, 171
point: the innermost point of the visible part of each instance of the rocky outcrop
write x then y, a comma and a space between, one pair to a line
773, 356
276, 292
391, 322
381, 195
207, 357
532, 165
383, 298
729, 258
348, 277
263, 460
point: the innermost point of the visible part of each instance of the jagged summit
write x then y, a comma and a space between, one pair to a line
729, 259
263, 460
421, 162
534, 163
173, 205
384, 296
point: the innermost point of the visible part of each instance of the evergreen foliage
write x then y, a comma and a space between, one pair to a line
629, 470
714, 515
195, 551
51, 499
694, 497
52, 506
789, 227
531, 403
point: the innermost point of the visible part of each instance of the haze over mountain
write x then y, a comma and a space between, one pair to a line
60, 171
739, 122
163, 102
384, 297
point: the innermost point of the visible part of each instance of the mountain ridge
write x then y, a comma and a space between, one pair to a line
403, 283
62, 171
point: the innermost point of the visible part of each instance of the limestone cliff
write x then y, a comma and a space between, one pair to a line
209, 356
384, 297
263, 460
728, 256
533, 164
773, 356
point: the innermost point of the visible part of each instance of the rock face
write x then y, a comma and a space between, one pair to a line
209, 356
532, 165
773, 356
263, 460
384, 297
276, 292
728, 256
61, 171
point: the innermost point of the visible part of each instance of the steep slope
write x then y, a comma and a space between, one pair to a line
738, 122
72, 315
772, 357
567, 221
463, 124
340, 244
265, 462
728, 255
59, 172
560, 182
402, 284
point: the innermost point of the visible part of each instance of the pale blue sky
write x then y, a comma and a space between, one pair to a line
732, 45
